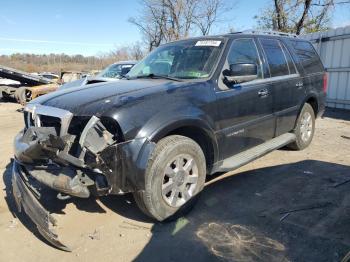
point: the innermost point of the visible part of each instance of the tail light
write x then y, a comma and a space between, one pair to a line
325, 83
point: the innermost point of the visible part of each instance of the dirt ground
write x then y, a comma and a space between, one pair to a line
241, 216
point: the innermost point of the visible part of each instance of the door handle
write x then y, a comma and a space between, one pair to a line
263, 93
299, 84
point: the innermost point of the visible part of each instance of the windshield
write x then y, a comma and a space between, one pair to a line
115, 71
192, 59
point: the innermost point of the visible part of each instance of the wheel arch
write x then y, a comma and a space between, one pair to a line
312, 100
196, 130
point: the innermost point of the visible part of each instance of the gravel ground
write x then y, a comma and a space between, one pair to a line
241, 216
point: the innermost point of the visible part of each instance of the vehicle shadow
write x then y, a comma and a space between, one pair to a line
243, 217
341, 114
125, 206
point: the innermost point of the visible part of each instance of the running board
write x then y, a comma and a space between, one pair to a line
256, 152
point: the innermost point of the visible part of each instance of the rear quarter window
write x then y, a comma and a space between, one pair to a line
307, 56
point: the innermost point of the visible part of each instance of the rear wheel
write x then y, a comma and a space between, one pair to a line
174, 177
305, 128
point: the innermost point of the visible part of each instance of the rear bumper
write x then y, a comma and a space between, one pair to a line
27, 200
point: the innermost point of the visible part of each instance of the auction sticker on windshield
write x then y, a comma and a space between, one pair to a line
208, 43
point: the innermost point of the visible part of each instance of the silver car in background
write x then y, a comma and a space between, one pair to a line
113, 72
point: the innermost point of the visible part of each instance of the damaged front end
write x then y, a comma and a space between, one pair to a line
75, 157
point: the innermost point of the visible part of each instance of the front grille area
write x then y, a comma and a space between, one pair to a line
47, 116
51, 121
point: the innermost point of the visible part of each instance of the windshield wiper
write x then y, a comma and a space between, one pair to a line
160, 77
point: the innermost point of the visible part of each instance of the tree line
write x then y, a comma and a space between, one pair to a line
63, 62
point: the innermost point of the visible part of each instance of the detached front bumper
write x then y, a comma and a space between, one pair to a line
27, 198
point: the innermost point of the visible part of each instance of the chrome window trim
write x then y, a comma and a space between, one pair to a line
286, 50
269, 80
284, 54
36, 110
260, 82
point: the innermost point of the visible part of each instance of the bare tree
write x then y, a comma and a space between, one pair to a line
167, 20
137, 52
210, 12
298, 16
150, 23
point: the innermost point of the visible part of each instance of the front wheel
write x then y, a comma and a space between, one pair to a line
304, 129
174, 177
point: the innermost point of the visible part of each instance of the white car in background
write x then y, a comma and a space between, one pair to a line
113, 72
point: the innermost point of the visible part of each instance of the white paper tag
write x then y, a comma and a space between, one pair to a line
208, 43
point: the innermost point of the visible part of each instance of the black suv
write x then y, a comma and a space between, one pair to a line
191, 108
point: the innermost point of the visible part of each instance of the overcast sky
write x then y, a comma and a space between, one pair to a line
93, 27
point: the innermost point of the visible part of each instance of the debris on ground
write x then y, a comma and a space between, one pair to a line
308, 172
13, 223
316, 206
345, 137
341, 183
180, 224
95, 235
346, 258
130, 225
284, 217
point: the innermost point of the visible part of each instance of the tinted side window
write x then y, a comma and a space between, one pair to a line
292, 69
244, 51
275, 57
307, 56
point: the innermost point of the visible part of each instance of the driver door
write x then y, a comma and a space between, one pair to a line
245, 109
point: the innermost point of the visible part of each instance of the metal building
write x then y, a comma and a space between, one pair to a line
333, 47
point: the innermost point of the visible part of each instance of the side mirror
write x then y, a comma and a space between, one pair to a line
241, 72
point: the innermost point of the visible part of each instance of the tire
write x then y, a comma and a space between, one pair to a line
304, 129
177, 165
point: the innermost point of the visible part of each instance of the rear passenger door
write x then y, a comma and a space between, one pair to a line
287, 84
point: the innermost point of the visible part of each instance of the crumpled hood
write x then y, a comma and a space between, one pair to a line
99, 98
87, 81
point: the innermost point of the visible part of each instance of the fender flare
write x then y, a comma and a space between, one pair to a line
310, 95
140, 149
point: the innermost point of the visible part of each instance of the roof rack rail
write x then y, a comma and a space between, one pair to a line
263, 32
